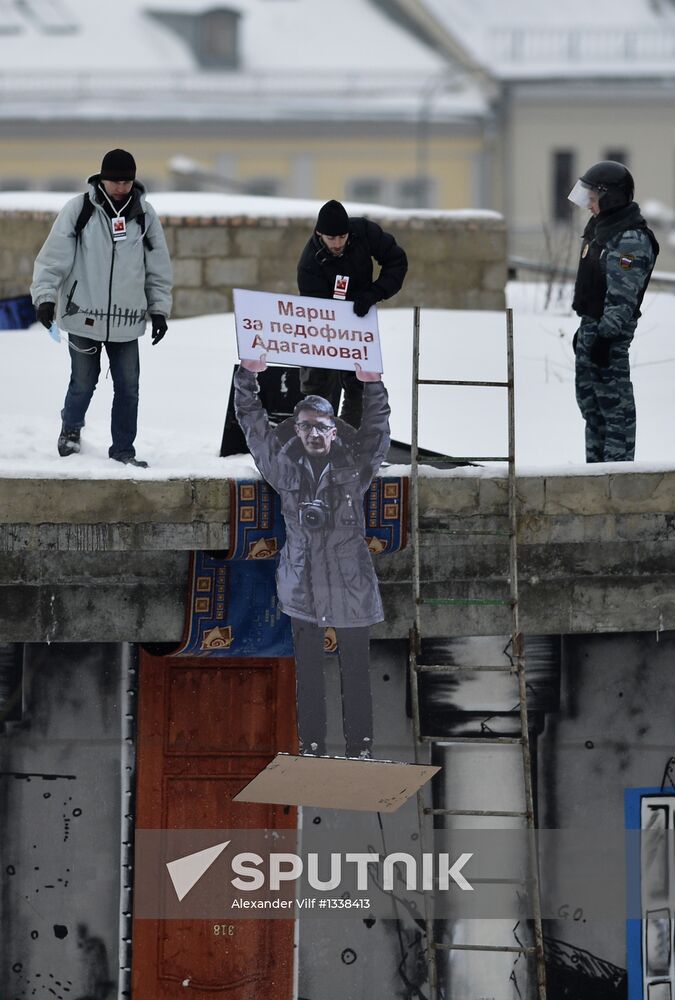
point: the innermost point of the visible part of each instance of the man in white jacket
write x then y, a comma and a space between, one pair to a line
102, 270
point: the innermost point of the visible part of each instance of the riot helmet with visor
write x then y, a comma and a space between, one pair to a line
608, 183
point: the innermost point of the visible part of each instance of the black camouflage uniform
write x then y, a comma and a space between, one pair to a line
617, 258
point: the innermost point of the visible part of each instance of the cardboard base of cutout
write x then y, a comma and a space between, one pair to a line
337, 783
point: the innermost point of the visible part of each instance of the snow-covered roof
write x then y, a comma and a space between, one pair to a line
528, 39
101, 38
298, 59
303, 35
239, 97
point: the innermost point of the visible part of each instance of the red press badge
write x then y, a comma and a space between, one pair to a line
119, 228
341, 285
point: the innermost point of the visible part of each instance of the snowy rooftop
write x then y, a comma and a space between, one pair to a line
185, 384
610, 38
98, 37
186, 94
124, 61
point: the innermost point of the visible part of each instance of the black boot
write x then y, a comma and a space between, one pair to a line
130, 460
69, 442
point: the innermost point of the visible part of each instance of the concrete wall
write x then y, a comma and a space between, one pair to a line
614, 732
596, 554
455, 262
601, 723
60, 813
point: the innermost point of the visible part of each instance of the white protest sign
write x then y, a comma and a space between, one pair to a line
298, 330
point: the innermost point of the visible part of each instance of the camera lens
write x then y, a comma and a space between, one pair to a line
313, 517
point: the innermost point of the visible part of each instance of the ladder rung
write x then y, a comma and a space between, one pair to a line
444, 381
476, 812
464, 600
471, 739
483, 947
467, 458
453, 668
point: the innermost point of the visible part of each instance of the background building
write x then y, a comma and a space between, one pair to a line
577, 83
281, 97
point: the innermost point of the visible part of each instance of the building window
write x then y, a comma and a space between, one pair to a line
402, 192
267, 186
414, 192
213, 36
218, 39
57, 183
368, 189
14, 184
618, 155
563, 182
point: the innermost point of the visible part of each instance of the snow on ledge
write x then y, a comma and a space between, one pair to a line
186, 204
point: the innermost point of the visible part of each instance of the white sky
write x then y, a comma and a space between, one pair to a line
185, 384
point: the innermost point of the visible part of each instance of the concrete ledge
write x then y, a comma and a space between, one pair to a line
108, 560
94, 502
97, 504
103, 537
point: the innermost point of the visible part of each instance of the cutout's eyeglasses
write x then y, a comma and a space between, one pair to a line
306, 427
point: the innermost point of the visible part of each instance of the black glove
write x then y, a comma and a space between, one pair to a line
364, 300
159, 327
45, 313
599, 351
574, 341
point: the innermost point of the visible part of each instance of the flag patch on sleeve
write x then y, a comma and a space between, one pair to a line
626, 261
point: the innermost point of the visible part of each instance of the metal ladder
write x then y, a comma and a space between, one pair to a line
517, 667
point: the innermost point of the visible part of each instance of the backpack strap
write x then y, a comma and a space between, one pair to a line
85, 215
146, 239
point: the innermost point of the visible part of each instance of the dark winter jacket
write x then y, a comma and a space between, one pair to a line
617, 257
324, 576
104, 290
317, 268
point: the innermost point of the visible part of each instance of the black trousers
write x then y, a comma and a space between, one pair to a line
357, 707
328, 382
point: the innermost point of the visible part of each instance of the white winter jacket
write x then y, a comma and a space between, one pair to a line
104, 289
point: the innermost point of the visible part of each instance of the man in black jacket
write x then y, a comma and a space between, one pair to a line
337, 263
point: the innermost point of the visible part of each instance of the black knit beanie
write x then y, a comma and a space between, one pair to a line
118, 165
333, 219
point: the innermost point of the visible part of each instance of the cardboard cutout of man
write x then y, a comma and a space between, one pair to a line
325, 575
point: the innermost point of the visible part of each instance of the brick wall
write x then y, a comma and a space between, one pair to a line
456, 262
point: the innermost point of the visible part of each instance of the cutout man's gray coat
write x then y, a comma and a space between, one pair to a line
325, 576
